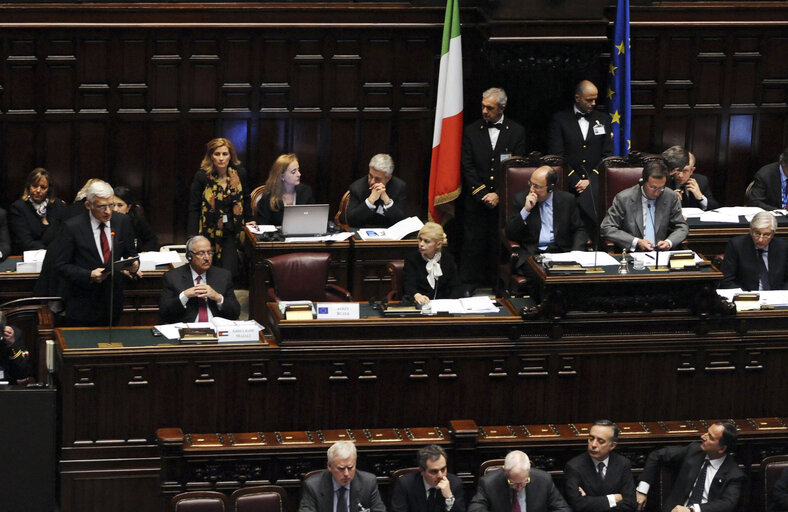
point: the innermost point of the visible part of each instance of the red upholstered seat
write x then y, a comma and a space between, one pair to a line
302, 276
772, 469
396, 270
261, 498
200, 501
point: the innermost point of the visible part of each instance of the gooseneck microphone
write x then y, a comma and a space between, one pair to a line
654, 228
111, 282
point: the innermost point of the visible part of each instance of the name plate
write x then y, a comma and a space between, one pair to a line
338, 310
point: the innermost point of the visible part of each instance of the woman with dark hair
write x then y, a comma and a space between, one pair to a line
283, 187
145, 238
219, 202
34, 218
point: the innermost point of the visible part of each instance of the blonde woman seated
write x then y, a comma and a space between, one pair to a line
429, 272
283, 187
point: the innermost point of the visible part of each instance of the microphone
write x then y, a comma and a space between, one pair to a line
111, 282
654, 227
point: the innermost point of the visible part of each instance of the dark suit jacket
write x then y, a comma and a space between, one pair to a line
179, 279
409, 494
582, 155
145, 238
27, 230
195, 199
624, 219
766, 191
19, 368
88, 302
318, 493
494, 494
581, 472
688, 200
779, 495
740, 266
567, 227
724, 491
265, 215
5, 238
360, 216
449, 285
480, 163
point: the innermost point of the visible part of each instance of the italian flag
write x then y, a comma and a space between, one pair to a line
447, 137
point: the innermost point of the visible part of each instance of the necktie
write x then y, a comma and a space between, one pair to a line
515, 503
601, 470
202, 311
696, 496
104, 242
581, 114
763, 272
649, 227
432, 501
341, 501
497, 126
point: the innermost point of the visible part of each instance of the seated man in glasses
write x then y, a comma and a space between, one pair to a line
517, 488
198, 291
642, 217
544, 219
757, 261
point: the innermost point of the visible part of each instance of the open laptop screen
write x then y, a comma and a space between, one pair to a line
305, 220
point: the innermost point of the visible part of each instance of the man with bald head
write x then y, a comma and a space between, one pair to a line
545, 219
517, 488
582, 135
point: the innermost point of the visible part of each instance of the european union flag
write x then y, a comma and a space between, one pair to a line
619, 100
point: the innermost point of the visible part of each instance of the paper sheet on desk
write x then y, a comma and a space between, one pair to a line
218, 324
649, 259
736, 211
715, 216
336, 237
170, 331
468, 305
150, 259
584, 258
396, 232
688, 212
259, 229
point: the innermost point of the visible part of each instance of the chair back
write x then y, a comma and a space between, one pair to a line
396, 270
404, 471
340, 219
618, 174
200, 501
254, 198
298, 275
773, 468
261, 498
489, 466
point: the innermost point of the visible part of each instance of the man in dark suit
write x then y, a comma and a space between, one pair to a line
779, 494
198, 291
432, 489
341, 488
485, 144
693, 192
708, 479
583, 136
5, 238
380, 199
757, 261
14, 360
84, 253
642, 217
600, 480
545, 220
517, 488
769, 186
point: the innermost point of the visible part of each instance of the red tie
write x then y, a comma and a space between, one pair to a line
515, 503
785, 206
104, 242
202, 315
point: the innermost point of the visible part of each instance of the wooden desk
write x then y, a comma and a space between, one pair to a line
370, 257
710, 239
140, 297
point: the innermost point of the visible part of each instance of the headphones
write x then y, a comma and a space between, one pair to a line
189, 252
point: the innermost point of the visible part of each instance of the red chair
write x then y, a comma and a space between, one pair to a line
260, 498
396, 270
772, 469
200, 501
302, 276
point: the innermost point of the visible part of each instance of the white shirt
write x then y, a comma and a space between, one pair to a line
494, 133
184, 299
711, 472
583, 122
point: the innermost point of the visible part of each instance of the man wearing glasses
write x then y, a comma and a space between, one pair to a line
756, 261
198, 291
432, 489
642, 218
86, 244
544, 219
517, 488
341, 488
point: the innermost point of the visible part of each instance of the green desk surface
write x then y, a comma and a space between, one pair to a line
9, 265
122, 337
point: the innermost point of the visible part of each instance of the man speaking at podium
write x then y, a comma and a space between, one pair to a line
642, 217
198, 291
86, 243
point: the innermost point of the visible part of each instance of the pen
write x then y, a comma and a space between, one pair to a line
650, 256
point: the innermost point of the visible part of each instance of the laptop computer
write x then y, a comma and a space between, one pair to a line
305, 220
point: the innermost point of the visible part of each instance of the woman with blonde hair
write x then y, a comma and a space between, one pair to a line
34, 217
429, 272
283, 187
219, 202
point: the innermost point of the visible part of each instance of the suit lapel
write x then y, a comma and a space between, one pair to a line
87, 232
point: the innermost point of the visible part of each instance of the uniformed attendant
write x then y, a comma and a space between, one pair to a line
485, 144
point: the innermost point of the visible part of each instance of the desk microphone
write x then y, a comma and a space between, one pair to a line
654, 227
111, 282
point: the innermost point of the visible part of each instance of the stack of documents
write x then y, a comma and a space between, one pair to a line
149, 260
651, 258
396, 232
31, 261
468, 305
228, 331
584, 258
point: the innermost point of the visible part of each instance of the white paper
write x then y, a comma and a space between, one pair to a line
777, 298
149, 260
584, 258
34, 256
336, 237
688, 212
396, 232
259, 229
713, 216
651, 258
468, 305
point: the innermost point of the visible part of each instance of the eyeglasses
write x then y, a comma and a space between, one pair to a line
762, 236
519, 484
655, 189
537, 187
203, 253
103, 207
342, 469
